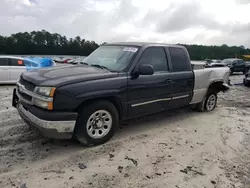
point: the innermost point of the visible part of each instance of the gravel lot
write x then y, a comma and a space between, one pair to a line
175, 149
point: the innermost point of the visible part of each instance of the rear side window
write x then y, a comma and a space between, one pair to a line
179, 60
4, 62
16, 62
156, 57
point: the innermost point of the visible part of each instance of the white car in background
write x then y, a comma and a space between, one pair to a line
11, 68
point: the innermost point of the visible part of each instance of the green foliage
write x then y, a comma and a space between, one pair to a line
45, 43
200, 52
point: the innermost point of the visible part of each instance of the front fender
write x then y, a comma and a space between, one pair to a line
116, 97
97, 94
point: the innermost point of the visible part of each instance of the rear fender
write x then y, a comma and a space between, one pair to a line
218, 87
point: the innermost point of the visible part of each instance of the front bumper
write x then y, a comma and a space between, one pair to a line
52, 124
50, 129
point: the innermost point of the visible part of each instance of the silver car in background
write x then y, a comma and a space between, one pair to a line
11, 68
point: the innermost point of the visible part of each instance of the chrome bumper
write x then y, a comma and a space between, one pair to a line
49, 129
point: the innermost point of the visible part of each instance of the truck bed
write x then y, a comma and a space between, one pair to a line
206, 76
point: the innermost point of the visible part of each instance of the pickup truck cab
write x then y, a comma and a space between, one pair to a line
118, 81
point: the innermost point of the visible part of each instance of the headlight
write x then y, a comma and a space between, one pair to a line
43, 104
45, 91
45, 100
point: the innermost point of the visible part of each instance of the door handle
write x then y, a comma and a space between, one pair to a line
168, 81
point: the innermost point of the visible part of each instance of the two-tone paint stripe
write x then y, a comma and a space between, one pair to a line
159, 100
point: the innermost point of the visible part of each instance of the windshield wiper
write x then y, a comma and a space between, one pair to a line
99, 66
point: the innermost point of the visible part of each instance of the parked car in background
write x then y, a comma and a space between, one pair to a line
117, 81
212, 61
74, 62
78, 61
235, 65
246, 80
63, 60
66, 61
11, 67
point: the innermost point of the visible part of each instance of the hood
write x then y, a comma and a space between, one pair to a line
62, 75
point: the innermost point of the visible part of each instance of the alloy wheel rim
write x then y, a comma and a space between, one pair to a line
211, 102
99, 124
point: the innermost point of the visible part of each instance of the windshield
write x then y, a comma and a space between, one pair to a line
114, 58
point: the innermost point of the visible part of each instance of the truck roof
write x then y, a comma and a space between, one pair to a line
140, 44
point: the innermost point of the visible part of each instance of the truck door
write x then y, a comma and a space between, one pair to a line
150, 93
182, 77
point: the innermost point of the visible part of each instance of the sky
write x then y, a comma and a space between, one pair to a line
207, 22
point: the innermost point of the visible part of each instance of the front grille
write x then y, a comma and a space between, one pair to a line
25, 96
28, 85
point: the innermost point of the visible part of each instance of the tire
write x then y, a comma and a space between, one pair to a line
245, 71
246, 83
89, 133
209, 102
231, 72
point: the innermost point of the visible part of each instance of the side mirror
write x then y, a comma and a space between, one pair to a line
146, 69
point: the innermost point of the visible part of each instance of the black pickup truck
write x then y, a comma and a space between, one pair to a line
117, 81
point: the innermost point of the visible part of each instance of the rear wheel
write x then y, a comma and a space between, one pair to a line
209, 102
97, 123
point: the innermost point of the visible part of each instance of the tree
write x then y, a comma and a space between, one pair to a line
46, 43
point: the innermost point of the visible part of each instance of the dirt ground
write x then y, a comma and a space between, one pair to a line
178, 149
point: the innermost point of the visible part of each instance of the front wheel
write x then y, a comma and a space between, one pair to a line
96, 123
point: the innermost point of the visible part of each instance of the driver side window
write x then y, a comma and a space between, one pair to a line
156, 57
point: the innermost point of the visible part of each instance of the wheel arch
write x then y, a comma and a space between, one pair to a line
112, 99
217, 86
